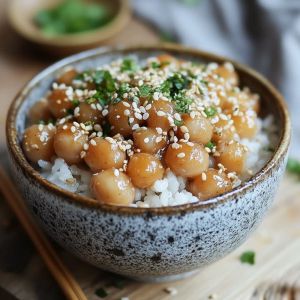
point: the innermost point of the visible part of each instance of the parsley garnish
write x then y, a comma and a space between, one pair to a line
210, 145
75, 102
145, 91
178, 123
210, 111
175, 84
101, 292
106, 129
155, 65
103, 79
248, 257
101, 97
182, 103
129, 65
293, 166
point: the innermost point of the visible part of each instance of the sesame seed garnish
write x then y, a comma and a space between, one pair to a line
93, 142
203, 176
104, 112
181, 155
161, 113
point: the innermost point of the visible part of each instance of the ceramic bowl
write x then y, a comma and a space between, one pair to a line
21, 13
147, 243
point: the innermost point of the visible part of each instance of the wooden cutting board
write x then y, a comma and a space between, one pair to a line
276, 242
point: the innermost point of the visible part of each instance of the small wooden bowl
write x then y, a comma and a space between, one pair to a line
21, 14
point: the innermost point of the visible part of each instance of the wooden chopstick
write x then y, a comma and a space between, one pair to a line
61, 274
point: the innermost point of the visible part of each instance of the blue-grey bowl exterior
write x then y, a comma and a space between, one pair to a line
147, 244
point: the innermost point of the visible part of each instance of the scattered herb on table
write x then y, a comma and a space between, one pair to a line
101, 292
72, 16
248, 257
293, 166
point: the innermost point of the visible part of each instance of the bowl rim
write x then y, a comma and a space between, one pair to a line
16, 152
115, 25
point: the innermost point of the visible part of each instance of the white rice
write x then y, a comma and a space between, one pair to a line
170, 190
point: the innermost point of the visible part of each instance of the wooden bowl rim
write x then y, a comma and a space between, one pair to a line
28, 171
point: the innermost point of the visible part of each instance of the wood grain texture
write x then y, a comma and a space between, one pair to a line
276, 242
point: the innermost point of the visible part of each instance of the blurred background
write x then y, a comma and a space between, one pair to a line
264, 34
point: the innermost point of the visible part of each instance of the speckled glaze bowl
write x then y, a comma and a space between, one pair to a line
147, 243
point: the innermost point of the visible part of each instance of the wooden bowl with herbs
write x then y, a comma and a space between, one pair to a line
63, 27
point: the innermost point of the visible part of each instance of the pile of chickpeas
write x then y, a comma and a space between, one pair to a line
131, 141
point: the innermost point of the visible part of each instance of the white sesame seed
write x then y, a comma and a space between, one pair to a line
93, 142
203, 176
104, 112
161, 113
135, 126
126, 112
181, 155
146, 140
116, 172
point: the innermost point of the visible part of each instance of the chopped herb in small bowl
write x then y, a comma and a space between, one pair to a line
293, 166
72, 16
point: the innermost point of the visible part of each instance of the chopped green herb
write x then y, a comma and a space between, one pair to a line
101, 292
106, 129
101, 97
72, 16
155, 65
182, 103
103, 79
82, 76
210, 111
75, 102
204, 81
293, 166
248, 257
178, 123
145, 91
175, 84
70, 111
210, 145
90, 100
129, 65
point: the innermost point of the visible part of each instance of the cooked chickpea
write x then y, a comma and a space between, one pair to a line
209, 184
245, 125
199, 129
59, 104
165, 59
67, 77
88, 113
112, 187
228, 73
102, 155
232, 156
39, 111
158, 114
38, 142
144, 169
122, 118
187, 159
148, 140
68, 143
223, 131
241, 101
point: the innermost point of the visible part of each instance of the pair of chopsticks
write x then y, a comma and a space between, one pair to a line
61, 274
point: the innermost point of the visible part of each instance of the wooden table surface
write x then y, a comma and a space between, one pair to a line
276, 242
